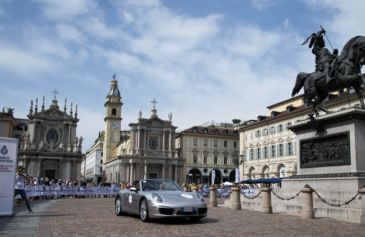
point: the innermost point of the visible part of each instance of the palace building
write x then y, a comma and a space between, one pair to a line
147, 150
208, 149
267, 146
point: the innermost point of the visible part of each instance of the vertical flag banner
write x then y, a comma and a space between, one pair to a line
8, 158
213, 176
237, 178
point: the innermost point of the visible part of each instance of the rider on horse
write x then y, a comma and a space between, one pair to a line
324, 58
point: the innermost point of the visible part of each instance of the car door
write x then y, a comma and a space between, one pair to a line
127, 201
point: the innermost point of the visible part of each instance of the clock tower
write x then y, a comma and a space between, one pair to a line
113, 107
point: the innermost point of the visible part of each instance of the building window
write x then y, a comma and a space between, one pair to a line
288, 125
225, 143
289, 149
234, 144
114, 112
273, 151
215, 143
265, 132
272, 130
205, 159
282, 171
280, 128
281, 150
195, 159
258, 153
258, 134
205, 142
265, 152
195, 142
215, 160
225, 160
251, 135
251, 154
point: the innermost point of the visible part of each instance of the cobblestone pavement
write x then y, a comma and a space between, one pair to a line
95, 217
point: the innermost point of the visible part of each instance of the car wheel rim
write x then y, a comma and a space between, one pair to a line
143, 211
117, 206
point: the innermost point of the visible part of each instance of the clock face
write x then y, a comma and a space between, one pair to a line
153, 143
114, 125
52, 136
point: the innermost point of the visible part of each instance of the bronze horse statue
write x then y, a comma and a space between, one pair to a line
344, 72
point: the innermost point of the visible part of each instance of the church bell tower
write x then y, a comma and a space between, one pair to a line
113, 107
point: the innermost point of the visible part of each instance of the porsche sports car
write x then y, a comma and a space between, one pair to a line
160, 198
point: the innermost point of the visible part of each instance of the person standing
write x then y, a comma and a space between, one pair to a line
20, 187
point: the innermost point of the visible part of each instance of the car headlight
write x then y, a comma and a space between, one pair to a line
156, 197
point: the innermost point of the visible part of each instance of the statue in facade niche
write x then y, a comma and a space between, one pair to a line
333, 72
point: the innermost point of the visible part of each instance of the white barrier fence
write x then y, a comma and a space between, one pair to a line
44, 191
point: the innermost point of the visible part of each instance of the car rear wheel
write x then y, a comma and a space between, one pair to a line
143, 210
118, 207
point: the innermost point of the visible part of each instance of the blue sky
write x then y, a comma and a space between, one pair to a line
207, 60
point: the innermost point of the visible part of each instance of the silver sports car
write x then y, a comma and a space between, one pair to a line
160, 198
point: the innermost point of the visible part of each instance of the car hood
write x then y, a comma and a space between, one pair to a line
179, 197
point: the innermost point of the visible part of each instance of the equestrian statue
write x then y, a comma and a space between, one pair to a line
333, 72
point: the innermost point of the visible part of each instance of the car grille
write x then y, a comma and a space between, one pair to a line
186, 213
202, 211
166, 211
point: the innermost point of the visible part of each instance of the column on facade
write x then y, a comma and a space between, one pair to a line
169, 171
39, 168
69, 143
145, 170
67, 168
132, 139
163, 171
163, 140
138, 139
170, 137
131, 172
77, 171
145, 141
176, 178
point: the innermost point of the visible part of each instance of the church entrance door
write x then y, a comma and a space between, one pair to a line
50, 174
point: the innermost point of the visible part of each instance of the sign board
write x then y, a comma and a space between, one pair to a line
237, 177
213, 176
8, 156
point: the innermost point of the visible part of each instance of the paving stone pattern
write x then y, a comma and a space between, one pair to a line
95, 217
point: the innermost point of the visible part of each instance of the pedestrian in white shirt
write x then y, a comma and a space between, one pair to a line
20, 187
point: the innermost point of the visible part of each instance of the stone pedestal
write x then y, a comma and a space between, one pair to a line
235, 198
307, 207
266, 200
331, 160
331, 152
212, 196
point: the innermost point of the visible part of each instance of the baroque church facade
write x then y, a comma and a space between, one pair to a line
48, 145
147, 150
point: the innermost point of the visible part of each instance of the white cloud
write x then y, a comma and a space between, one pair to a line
70, 33
23, 62
61, 10
97, 28
261, 4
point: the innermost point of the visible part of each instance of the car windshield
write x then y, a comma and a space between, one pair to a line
160, 185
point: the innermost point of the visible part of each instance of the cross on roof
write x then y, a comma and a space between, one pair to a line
154, 102
114, 76
55, 92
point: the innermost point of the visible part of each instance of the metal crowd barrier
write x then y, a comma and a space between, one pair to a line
56, 191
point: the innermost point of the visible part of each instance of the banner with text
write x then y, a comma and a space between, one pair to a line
8, 156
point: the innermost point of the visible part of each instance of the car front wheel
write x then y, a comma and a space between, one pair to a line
118, 207
143, 210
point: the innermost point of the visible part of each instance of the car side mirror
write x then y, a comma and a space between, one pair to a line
133, 189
